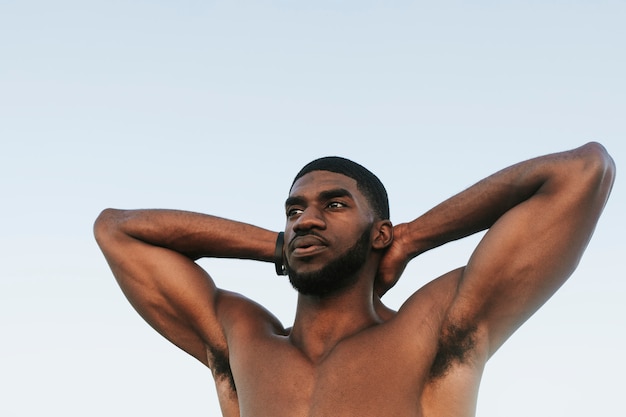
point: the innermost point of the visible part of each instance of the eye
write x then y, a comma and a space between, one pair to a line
336, 205
293, 212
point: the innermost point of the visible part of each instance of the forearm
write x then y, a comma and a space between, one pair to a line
192, 234
480, 206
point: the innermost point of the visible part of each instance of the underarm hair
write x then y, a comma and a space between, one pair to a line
454, 345
220, 366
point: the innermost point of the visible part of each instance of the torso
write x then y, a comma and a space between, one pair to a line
383, 370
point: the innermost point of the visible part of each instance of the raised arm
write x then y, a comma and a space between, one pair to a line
540, 214
151, 254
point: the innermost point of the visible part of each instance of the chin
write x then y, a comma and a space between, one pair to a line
310, 278
322, 281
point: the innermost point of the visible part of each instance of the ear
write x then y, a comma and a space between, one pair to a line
382, 234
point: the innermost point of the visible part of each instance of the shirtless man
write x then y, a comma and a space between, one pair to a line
347, 354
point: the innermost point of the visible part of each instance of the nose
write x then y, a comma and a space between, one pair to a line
310, 218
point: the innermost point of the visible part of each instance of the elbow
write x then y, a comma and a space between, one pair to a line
106, 224
598, 167
599, 162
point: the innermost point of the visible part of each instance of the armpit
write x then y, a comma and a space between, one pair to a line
220, 367
454, 346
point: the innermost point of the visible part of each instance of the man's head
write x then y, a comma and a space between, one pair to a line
337, 213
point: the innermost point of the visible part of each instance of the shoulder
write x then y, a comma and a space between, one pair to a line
431, 314
418, 323
241, 320
433, 300
238, 313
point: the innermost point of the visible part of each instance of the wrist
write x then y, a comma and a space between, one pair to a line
416, 240
410, 238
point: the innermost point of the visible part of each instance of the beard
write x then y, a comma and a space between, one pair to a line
338, 274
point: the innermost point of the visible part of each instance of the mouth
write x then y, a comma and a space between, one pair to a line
308, 245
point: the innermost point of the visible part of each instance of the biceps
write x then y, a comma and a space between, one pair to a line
172, 293
522, 260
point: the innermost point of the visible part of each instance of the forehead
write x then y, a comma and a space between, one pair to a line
316, 182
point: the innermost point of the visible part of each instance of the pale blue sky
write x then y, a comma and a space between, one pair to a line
213, 106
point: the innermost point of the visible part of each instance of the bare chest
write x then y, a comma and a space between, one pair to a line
374, 379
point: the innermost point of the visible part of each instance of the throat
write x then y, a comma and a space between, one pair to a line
316, 331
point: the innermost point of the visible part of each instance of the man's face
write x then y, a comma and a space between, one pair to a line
328, 232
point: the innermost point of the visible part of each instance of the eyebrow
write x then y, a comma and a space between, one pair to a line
324, 195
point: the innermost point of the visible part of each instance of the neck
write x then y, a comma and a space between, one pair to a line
322, 322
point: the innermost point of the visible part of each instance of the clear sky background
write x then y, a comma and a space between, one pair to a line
213, 106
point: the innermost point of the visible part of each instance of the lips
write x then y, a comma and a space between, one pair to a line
307, 245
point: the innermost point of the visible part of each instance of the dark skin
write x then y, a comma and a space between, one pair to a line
347, 354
